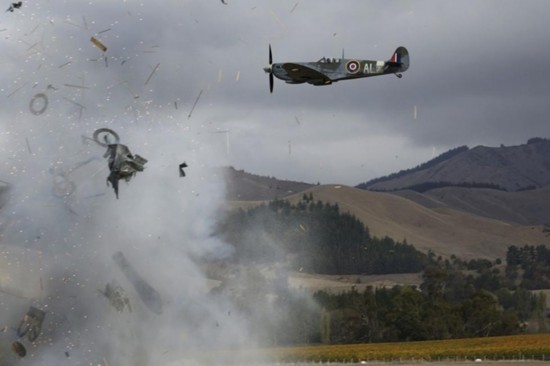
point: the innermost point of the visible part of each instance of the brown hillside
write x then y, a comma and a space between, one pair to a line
530, 207
511, 167
243, 186
445, 231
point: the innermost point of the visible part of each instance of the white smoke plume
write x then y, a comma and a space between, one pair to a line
62, 224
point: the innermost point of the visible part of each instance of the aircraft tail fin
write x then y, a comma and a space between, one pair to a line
399, 59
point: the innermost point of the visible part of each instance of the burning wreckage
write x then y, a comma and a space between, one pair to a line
122, 163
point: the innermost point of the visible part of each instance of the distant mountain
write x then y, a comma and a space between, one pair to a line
510, 168
243, 186
509, 184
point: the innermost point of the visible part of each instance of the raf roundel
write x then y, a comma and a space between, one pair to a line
352, 67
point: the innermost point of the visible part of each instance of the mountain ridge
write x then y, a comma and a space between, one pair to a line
512, 168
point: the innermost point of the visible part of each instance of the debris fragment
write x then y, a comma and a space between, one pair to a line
237, 77
223, 2
105, 136
121, 162
116, 296
147, 294
18, 348
65, 64
14, 6
194, 104
35, 28
75, 103
414, 112
103, 31
98, 44
71, 23
31, 323
294, 8
28, 145
77, 86
151, 74
181, 166
16, 90
34, 99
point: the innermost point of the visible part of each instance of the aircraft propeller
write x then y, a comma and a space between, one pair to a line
269, 69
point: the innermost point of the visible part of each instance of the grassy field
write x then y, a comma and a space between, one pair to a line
522, 347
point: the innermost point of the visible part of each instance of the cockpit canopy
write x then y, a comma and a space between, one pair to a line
328, 60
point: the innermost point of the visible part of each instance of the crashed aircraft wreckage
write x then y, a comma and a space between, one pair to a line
122, 163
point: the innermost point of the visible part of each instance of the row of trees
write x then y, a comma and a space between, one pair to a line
456, 298
534, 264
448, 304
315, 237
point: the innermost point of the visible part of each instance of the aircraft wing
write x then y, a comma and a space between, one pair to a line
301, 73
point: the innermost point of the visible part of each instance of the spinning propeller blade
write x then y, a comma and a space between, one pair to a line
271, 70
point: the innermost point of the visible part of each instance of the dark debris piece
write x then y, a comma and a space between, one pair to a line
18, 348
122, 164
14, 6
150, 297
182, 165
117, 297
31, 323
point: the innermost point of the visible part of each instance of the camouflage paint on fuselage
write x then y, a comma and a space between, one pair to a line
327, 70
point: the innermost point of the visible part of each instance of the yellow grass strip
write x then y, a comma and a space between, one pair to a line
531, 346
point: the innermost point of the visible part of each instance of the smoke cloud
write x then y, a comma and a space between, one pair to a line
62, 224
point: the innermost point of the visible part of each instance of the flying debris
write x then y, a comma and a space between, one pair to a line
223, 2
147, 294
105, 136
62, 185
151, 74
194, 104
14, 6
182, 165
31, 323
28, 145
98, 44
18, 348
116, 296
326, 71
122, 164
38, 111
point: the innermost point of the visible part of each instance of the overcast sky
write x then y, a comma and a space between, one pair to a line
478, 76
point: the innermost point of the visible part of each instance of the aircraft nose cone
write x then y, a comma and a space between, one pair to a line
268, 69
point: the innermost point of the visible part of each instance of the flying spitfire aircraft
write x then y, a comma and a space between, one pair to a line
329, 70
